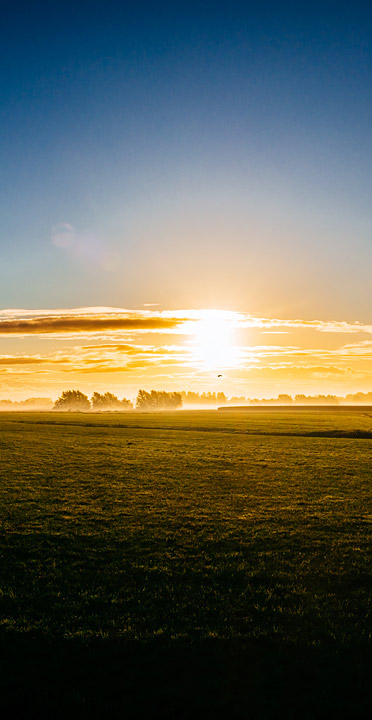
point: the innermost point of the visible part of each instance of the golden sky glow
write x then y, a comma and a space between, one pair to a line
95, 348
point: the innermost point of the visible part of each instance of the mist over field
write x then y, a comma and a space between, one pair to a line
161, 400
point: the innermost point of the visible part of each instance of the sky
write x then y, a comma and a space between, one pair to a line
161, 160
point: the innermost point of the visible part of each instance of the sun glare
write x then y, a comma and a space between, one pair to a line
213, 340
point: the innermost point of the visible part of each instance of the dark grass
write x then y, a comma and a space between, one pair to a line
187, 564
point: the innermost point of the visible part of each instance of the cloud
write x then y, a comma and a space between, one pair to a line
64, 236
331, 326
99, 358
86, 323
20, 360
285, 373
85, 247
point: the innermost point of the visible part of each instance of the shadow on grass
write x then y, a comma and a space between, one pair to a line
106, 678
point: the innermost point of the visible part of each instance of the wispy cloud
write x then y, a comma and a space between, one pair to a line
102, 358
277, 372
21, 360
328, 326
74, 323
85, 246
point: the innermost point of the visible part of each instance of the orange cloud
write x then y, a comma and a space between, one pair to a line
85, 324
331, 326
20, 360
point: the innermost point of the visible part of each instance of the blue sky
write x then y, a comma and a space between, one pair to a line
198, 155
215, 137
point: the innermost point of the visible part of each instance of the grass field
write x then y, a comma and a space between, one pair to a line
186, 564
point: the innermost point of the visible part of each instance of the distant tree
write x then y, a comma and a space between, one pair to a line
238, 400
190, 398
158, 400
317, 399
28, 404
41, 403
284, 399
205, 398
327, 400
208, 398
126, 404
72, 400
108, 401
361, 398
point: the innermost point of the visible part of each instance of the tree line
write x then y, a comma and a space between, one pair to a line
75, 400
161, 400
205, 398
153, 400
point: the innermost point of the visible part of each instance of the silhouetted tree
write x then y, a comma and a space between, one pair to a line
158, 400
126, 404
317, 399
238, 400
28, 404
72, 400
285, 399
108, 401
41, 403
194, 398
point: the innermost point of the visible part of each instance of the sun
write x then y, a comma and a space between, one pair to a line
213, 340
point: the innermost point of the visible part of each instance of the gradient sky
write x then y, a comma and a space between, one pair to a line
193, 155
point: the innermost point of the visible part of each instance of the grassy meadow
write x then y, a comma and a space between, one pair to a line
186, 564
